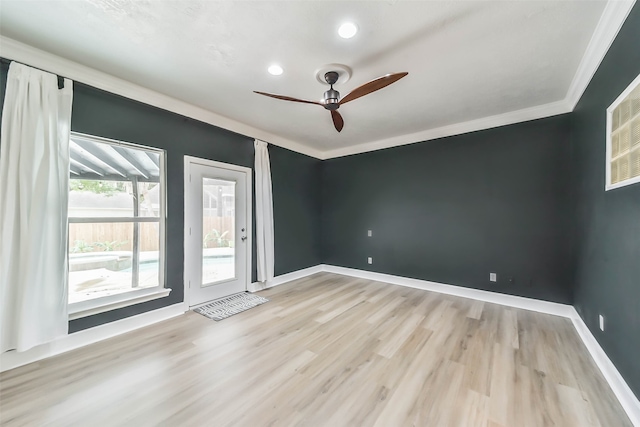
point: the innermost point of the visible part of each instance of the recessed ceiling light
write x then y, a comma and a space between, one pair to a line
347, 30
276, 70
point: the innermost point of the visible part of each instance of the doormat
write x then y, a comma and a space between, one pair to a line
228, 306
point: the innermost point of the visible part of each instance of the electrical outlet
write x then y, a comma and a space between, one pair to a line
493, 277
601, 318
370, 260
369, 233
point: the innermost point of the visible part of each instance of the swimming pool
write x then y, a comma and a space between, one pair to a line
152, 264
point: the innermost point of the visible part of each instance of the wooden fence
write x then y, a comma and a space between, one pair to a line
118, 236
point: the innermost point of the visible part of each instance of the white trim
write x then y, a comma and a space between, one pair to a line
612, 18
620, 388
607, 183
186, 224
540, 306
524, 115
624, 94
188, 160
83, 338
125, 299
12, 49
621, 184
625, 395
608, 149
215, 164
284, 278
103, 304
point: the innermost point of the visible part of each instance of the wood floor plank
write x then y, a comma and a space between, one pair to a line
503, 375
474, 411
475, 310
508, 328
327, 350
397, 338
381, 311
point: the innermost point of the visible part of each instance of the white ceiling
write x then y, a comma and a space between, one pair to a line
466, 60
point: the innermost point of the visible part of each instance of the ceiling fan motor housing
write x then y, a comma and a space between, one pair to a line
331, 99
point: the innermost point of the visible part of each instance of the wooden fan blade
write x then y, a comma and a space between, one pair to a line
372, 86
286, 98
338, 121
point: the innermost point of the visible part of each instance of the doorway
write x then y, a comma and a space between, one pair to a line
217, 252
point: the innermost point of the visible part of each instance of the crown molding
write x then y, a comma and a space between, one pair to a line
17, 51
518, 116
612, 18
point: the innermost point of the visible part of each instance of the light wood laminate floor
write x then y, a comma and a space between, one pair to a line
328, 350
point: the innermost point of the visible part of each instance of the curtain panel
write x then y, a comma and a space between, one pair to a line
264, 213
34, 186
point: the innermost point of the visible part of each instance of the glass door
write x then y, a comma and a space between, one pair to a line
216, 218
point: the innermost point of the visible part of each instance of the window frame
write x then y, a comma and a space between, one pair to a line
134, 296
629, 181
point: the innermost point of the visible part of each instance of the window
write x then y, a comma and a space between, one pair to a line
623, 138
116, 224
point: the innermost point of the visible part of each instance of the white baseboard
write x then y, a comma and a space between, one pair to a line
547, 307
284, 278
620, 388
618, 385
12, 359
79, 339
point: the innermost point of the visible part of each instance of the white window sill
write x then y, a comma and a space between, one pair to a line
101, 305
624, 183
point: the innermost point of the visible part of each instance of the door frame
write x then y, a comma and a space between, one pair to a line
188, 160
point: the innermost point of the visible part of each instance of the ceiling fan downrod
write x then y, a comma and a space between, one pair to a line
332, 96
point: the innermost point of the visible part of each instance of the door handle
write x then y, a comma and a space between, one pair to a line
244, 238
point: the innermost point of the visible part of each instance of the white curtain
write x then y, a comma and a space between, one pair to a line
264, 213
34, 186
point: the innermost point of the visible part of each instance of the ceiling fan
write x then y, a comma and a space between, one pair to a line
332, 99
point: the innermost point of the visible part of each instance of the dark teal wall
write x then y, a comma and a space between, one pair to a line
607, 224
526, 201
296, 209
296, 180
455, 209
